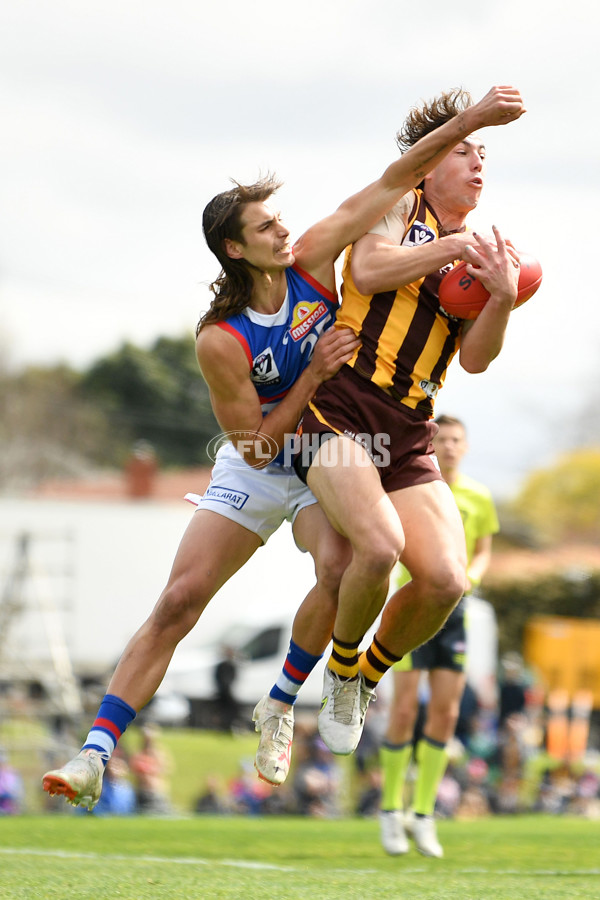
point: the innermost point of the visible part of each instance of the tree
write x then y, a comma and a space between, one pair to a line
157, 395
59, 423
562, 502
46, 429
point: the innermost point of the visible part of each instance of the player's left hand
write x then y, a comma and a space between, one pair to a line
496, 264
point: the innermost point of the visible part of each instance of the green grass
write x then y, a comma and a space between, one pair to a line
68, 857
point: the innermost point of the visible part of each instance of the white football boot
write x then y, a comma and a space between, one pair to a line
343, 709
274, 721
80, 780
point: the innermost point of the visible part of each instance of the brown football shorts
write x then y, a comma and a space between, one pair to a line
397, 438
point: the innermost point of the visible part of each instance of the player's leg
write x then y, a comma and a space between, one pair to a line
348, 487
435, 555
395, 755
446, 682
311, 632
446, 688
212, 549
314, 621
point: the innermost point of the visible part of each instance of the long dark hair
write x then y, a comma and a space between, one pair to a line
221, 220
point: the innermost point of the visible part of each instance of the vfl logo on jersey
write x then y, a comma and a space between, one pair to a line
418, 234
264, 368
304, 317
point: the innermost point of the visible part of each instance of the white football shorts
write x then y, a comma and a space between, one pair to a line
259, 499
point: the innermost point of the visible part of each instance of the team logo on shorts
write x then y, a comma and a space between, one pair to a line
226, 495
304, 317
264, 368
418, 234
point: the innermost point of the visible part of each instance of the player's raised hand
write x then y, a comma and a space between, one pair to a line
335, 347
494, 264
501, 104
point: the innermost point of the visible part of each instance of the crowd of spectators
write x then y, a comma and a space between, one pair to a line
530, 752
313, 788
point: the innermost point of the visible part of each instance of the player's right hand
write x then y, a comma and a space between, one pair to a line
500, 105
335, 348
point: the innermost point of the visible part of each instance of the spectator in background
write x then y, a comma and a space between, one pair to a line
467, 715
316, 780
512, 687
210, 801
225, 674
369, 797
475, 800
11, 788
150, 767
248, 795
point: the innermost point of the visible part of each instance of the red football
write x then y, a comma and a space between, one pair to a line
463, 296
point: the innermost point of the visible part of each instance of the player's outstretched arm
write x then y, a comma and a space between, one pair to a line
320, 246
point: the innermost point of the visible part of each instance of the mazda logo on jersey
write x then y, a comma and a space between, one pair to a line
264, 368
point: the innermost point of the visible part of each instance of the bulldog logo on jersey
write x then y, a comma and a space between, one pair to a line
304, 317
418, 234
264, 368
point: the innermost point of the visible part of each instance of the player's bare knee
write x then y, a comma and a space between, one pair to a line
403, 719
446, 587
329, 568
376, 562
178, 608
441, 722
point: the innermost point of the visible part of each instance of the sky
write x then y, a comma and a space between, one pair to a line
121, 120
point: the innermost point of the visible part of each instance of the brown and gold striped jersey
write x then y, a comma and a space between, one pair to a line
407, 341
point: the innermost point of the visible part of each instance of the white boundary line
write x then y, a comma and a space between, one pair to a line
248, 864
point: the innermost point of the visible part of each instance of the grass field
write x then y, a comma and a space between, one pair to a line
68, 857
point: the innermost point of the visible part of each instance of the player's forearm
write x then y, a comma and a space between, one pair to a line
483, 340
276, 428
389, 266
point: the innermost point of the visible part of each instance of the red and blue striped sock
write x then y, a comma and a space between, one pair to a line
113, 718
296, 669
